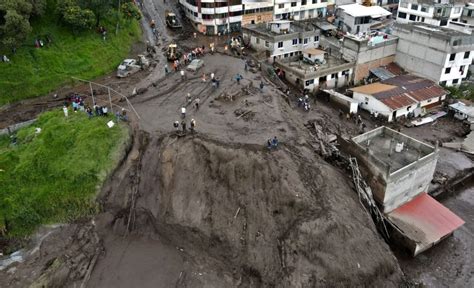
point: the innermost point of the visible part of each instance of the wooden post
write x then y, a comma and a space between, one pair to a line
110, 101
92, 93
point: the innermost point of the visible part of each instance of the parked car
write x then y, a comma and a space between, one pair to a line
195, 65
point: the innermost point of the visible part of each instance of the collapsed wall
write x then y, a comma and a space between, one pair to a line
282, 218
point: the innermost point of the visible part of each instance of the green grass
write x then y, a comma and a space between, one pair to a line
53, 176
36, 71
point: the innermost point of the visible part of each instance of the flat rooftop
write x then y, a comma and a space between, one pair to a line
382, 144
436, 31
265, 28
331, 63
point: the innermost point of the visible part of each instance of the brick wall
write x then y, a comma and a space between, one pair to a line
362, 70
257, 17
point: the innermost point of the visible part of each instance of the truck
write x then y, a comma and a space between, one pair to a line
172, 20
172, 52
132, 66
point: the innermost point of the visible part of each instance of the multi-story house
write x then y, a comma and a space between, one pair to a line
299, 9
257, 11
437, 53
434, 12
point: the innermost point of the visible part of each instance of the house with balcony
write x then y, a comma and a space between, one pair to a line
281, 39
214, 17
255, 12
438, 53
434, 12
299, 9
466, 23
356, 18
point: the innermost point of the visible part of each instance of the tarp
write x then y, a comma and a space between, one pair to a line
425, 221
382, 73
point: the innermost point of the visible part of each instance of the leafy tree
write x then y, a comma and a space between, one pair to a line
99, 7
15, 29
38, 7
130, 11
78, 18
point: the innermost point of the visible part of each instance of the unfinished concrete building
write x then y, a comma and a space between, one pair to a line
399, 170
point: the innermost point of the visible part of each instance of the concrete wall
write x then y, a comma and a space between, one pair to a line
369, 103
257, 18
332, 81
300, 12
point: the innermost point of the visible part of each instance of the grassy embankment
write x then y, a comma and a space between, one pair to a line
53, 176
36, 71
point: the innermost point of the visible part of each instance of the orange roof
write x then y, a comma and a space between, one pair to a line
373, 88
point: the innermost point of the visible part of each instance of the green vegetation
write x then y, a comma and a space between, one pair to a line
73, 51
465, 91
53, 176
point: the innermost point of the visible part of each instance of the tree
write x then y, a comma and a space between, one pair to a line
130, 11
38, 7
99, 7
15, 23
78, 18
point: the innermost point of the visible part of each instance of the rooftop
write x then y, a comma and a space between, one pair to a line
445, 33
314, 51
383, 144
265, 28
357, 10
402, 90
463, 108
331, 65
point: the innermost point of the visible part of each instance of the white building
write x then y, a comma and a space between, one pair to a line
399, 96
434, 12
440, 54
356, 18
212, 17
466, 23
300, 9
281, 38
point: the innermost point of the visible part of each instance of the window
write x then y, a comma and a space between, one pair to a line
424, 8
281, 6
295, 41
280, 44
452, 57
207, 5
293, 4
267, 44
403, 4
422, 19
334, 76
412, 17
309, 82
324, 1
316, 38
257, 41
207, 16
286, 55
457, 10
455, 81
442, 83
457, 42
303, 2
305, 41
414, 6
466, 54
315, 1
447, 70
443, 23
402, 15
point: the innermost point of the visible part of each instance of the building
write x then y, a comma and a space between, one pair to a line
437, 53
257, 12
333, 72
369, 51
300, 9
213, 17
356, 18
434, 12
399, 96
400, 169
281, 38
462, 111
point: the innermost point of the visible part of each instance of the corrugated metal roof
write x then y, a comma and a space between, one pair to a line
425, 220
373, 88
427, 93
397, 101
382, 73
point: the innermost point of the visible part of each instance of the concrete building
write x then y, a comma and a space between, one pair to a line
399, 96
400, 169
300, 9
434, 12
356, 18
437, 53
257, 12
333, 72
369, 51
280, 39
212, 17
466, 23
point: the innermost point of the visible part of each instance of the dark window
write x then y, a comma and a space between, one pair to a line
315, 1
457, 42
303, 2
412, 17
280, 44
309, 82
461, 70
402, 15
447, 70
293, 4
235, 13
455, 81
234, 2
466, 54
207, 16
442, 83
324, 1
424, 8
281, 6
443, 23
295, 41
305, 40
414, 7
422, 19
452, 57
333, 76
316, 38
207, 5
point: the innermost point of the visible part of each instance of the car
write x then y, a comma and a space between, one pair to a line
195, 65
127, 68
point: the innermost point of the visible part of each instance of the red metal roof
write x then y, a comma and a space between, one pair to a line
428, 93
425, 220
397, 101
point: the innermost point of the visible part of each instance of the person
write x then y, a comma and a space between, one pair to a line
306, 98
359, 119
89, 112
269, 144
194, 34
176, 125
212, 76
166, 69
197, 103
189, 98
104, 34
104, 111
246, 66
183, 112
203, 77
182, 75
307, 106
261, 85
238, 77
217, 82
74, 106
66, 112
274, 142
192, 125
183, 125
5, 59
300, 102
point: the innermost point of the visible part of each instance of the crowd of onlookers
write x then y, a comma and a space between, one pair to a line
77, 103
